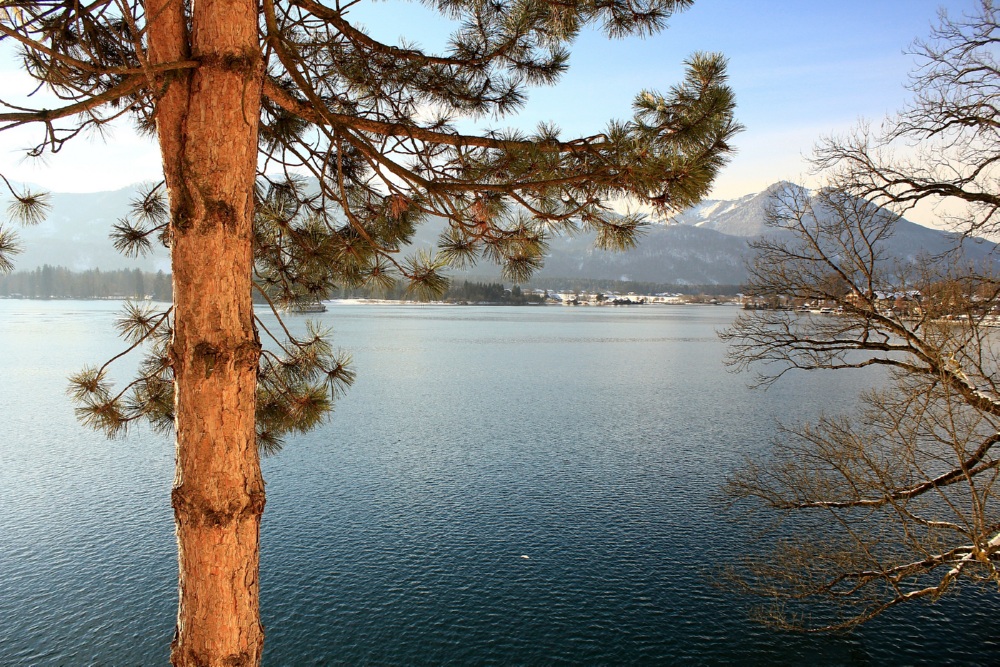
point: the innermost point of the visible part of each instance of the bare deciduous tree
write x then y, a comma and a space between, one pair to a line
944, 146
895, 501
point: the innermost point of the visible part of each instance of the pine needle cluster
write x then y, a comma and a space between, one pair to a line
26, 207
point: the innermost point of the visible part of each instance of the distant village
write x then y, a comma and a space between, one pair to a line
948, 301
608, 298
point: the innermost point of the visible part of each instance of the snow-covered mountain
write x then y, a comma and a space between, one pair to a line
736, 217
746, 217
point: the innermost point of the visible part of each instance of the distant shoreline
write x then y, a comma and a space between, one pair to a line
399, 302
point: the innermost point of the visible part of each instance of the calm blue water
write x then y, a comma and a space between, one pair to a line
592, 441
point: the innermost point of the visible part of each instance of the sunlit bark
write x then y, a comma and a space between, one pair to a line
207, 128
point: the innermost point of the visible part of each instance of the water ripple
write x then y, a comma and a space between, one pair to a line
501, 486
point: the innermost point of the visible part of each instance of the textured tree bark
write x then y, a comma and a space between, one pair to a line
207, 123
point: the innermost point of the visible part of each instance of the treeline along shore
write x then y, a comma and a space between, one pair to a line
58, 282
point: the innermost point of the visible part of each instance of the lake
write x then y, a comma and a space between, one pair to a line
500, 486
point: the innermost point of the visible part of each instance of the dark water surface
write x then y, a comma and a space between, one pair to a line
592, 441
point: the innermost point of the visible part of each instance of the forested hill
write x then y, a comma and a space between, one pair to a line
706, 245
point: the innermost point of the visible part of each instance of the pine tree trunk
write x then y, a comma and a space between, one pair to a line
207, 128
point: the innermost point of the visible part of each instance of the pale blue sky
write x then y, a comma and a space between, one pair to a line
800, 69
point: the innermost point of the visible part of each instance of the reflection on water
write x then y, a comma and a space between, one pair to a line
501, 485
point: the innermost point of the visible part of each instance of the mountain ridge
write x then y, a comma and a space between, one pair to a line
704, 245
